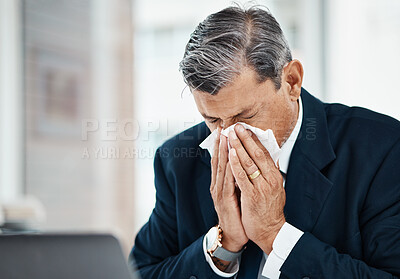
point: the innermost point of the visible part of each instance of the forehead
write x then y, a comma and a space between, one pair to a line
243, 93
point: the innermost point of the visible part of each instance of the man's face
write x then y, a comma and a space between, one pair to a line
246, 100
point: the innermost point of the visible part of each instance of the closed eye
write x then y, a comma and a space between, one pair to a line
251, 116
235, 118
213, 120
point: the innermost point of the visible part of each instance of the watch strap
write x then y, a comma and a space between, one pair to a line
225, 255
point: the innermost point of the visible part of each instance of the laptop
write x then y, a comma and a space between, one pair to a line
62, 256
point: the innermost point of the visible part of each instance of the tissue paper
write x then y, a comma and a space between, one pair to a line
267, 138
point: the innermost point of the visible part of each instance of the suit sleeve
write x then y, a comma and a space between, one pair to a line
156, 252
379, 234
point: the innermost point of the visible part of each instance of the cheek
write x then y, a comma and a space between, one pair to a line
263, 121
276, 113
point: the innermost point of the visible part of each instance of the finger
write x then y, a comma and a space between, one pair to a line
245, 160
214, 160
229, 183
275, 175
263, 162
216, 145
221, 166
257, 141
238, 172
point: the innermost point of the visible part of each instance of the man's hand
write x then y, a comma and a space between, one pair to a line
225, 199
262, 198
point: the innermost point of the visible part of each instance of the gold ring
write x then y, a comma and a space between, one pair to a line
255, 174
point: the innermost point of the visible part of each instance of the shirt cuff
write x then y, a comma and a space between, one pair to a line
230, 271
283, 244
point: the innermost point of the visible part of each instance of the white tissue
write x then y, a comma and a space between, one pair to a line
266, 137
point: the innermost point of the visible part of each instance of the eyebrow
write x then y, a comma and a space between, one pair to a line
243, 112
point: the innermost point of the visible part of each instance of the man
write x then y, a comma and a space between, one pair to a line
330, 208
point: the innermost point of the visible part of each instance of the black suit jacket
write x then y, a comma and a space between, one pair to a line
342, 190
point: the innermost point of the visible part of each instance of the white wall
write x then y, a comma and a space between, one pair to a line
11, 101
363, 54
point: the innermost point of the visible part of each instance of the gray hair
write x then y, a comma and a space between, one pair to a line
229, 40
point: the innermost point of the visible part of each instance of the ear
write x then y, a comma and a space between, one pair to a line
293, 77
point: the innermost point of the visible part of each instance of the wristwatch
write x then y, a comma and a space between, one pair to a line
214, 246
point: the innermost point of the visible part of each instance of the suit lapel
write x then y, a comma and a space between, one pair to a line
250, 262
206, 157
306, 187
210, 217
306, 191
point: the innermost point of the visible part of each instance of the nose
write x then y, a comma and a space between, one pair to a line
226, 124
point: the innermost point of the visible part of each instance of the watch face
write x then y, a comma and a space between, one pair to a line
211, 237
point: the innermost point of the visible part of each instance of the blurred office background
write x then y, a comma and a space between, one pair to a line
90, 88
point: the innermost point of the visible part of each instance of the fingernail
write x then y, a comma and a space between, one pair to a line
233, 134
249, 132
233, 151
239, 128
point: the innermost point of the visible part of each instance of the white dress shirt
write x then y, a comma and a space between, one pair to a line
288, 235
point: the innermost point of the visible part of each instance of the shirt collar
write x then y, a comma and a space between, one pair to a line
287, 147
